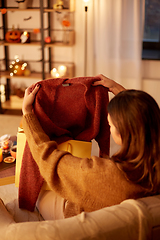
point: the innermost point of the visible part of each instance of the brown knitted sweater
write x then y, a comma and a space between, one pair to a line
87, 184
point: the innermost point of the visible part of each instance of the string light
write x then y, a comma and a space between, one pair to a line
16, 67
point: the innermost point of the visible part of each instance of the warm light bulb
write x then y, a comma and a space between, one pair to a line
24, 65
86, 2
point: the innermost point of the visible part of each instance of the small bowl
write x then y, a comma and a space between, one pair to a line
13, 151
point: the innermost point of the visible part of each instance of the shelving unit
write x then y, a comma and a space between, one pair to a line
46, 64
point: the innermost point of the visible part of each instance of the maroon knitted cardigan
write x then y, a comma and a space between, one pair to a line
77, 111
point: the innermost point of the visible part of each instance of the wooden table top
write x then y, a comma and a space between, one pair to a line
7, 173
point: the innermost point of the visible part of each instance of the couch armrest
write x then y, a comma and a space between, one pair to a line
128, 220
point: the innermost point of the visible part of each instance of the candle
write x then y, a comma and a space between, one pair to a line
62, 70
54, 73
1, 155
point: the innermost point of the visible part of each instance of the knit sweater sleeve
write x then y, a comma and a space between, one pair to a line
63, 172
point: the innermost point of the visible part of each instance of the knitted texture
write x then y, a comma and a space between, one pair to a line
76, 111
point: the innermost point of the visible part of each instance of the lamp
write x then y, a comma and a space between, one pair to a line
86, 2
85, 44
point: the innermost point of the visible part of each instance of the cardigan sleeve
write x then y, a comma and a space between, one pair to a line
69, 176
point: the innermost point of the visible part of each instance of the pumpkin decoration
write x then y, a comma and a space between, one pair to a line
17, 67
13, 36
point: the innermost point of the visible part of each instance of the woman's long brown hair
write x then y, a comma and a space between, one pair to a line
136, 115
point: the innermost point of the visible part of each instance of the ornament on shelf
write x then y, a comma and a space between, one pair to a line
62, 69
27, 72
22, 4
13, 36
61, 72
58, 5
47, 39
17, 67
3, 11
54, 73
25, 37
65, 24
36, 30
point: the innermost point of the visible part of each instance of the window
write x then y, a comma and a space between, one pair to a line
151, 38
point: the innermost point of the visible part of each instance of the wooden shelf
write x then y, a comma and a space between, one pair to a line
38, 75
58, 10
32, 75
70, 9
7, 180
38, 43
12, 9
34, 43
14, 103
59, 38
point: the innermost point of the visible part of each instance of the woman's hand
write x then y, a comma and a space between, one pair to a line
29, 97
113, 87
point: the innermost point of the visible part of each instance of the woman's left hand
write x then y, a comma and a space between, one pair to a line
29, 97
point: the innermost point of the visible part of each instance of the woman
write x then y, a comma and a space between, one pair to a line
91, 184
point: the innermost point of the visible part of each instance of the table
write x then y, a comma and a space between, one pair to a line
7, 173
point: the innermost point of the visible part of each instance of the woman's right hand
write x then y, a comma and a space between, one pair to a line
113, 87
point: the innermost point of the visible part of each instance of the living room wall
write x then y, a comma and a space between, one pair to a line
150, 69
151, 78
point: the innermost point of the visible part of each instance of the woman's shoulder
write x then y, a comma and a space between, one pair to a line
106, 164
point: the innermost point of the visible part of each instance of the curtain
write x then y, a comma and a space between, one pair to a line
114, 39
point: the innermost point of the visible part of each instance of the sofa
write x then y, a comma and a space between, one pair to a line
132, 219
